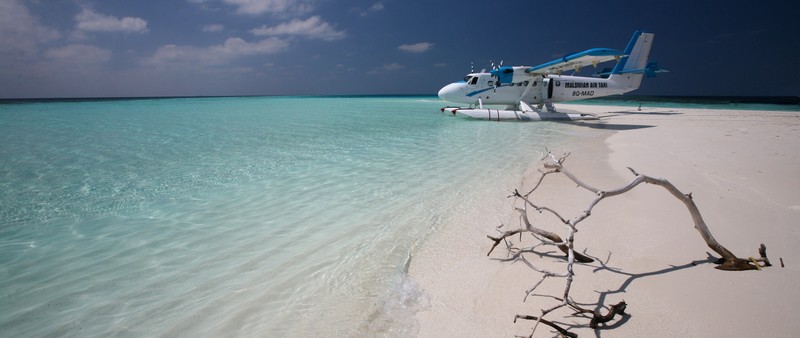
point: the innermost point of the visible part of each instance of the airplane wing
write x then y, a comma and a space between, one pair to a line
575, 61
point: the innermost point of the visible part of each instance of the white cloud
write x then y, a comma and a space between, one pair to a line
214, 55
213, 28
204, 4
238, 46
416, 48
256, 7
20, 34
313, 27
390, 67
79, 54
393, 66
91, 21
78, 35
376, 7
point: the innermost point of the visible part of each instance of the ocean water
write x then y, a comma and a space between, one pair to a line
241, 216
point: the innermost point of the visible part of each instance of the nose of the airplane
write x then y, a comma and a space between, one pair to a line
448, 92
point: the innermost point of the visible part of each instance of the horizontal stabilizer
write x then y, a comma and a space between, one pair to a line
653, 68
650, 70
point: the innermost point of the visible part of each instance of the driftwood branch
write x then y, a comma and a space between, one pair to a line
553, 165
536, 231
729, 262
597, 318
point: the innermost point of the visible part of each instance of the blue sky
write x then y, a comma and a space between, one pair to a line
121, 48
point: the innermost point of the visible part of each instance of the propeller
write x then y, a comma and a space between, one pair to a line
496, 76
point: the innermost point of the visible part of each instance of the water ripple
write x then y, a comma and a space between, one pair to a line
235, 216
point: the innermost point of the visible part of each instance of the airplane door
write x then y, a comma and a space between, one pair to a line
548, 83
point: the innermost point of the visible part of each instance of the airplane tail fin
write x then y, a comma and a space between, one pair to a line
629, 71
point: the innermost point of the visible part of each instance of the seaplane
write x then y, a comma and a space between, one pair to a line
528, 93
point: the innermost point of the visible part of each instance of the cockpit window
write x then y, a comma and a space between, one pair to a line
474, 80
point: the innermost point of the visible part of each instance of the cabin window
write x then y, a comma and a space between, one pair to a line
526, 83
491, 83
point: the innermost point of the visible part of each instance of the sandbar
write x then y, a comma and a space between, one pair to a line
743, 170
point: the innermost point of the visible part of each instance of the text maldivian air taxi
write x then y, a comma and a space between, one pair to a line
529, 92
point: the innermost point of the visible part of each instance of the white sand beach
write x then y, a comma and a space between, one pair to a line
743, 169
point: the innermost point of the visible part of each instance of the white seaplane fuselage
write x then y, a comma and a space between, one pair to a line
528, 93
479, 89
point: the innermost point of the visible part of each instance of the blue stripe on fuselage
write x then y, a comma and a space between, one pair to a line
480, 91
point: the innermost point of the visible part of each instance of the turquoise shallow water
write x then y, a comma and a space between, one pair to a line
251, 216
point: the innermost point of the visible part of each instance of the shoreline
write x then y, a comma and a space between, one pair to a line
741, 167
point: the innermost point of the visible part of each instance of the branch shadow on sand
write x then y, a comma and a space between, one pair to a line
602, 265
600, 305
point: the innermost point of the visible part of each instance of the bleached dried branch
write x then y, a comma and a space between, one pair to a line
554, 165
